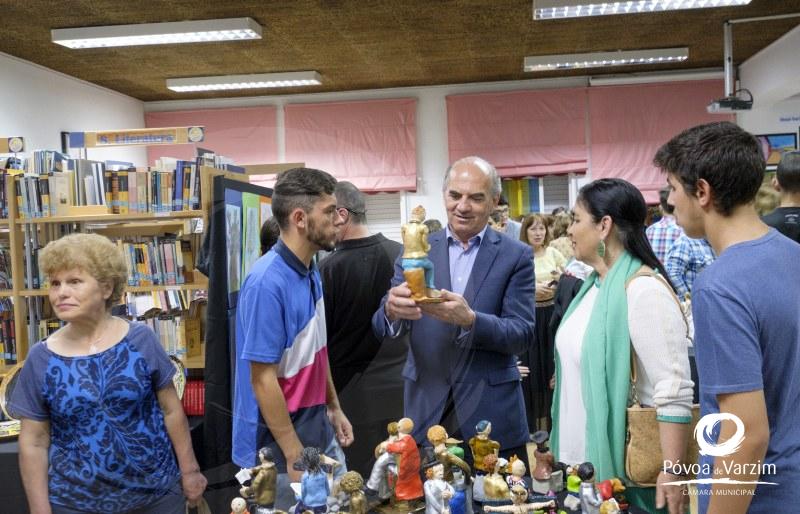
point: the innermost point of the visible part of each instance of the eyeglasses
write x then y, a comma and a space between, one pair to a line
343, 210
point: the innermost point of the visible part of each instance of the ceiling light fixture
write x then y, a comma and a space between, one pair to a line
202, 31
263, 80
553, 9
602, 59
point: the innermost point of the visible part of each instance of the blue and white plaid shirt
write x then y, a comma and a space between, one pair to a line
685, 260
662, 234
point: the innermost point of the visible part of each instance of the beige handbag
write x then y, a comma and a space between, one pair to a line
643, 458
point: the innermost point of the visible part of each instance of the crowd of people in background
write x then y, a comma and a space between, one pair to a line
540, 324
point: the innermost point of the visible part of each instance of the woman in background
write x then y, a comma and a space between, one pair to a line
626, 305
103, 429
548, 264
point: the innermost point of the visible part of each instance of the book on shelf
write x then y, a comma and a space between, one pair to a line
194, 398
8, 339
52, 182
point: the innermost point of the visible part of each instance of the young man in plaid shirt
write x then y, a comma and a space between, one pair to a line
663, 233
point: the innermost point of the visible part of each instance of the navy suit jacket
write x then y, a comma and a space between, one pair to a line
478, 368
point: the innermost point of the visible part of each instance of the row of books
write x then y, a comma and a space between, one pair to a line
194, 398
121, 191
5, 267
522, 195
150, 302
158, 261
8, 339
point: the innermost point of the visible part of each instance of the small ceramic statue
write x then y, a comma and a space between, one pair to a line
417, 268
517, 476
573, 499
482, 446
544, 477
238, 506
438, 492
452, 445
461, 502
351, 483
437, 436
263, 481
409, 485
314, 487
590, 497
494, 485
519, 495
385, 466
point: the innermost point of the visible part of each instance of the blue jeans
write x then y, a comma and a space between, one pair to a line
284, 496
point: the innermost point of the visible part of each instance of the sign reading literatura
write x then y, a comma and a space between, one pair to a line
136, 137
12, 144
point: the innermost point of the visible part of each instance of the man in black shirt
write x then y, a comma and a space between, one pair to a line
786, 218
366, 373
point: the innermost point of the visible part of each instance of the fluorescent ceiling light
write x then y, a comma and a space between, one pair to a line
263, 80
229, 29
602, 59
552, 9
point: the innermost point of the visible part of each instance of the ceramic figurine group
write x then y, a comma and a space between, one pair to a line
451, 486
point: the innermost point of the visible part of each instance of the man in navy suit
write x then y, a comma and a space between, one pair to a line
461, 365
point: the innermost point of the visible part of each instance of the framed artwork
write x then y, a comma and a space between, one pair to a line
775, 145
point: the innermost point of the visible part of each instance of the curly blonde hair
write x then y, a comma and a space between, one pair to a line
351, 482
92, 253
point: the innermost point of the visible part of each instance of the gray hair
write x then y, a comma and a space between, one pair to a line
352, 199
484, 166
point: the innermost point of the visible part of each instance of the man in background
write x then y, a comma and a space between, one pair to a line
506, 225
685, 260
663, 233
786, 218
366, 373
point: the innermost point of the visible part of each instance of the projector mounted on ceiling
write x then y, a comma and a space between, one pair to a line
731, 104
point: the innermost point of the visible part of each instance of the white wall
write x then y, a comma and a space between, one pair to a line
432, 149
781, 117
772, 74
38, 103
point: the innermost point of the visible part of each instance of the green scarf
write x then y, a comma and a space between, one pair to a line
605, 370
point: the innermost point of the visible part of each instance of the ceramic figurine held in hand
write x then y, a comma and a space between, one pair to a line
418, 269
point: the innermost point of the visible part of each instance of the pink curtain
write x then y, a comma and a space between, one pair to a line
522, 133
246, 135
371, 143
629, 123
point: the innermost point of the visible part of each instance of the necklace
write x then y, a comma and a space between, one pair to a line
94, 347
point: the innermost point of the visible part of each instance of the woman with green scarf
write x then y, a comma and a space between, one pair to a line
613, 314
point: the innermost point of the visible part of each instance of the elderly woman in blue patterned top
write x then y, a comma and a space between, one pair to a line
103, 429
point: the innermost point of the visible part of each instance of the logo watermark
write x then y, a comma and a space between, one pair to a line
703, 433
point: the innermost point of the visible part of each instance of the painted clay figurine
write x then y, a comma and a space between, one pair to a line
517, 476
545, 478
417, 268
590, 497
437, 436
409, 485
452, 445
238, 506
519, 496
494, 485
482, 446
461, 502
351, 483
314, 487
438, 492
263, 481
385, 466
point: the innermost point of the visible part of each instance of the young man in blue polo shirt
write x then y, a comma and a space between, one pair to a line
746, 308
284, 397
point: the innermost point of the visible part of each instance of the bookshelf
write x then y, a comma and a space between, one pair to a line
15, 230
